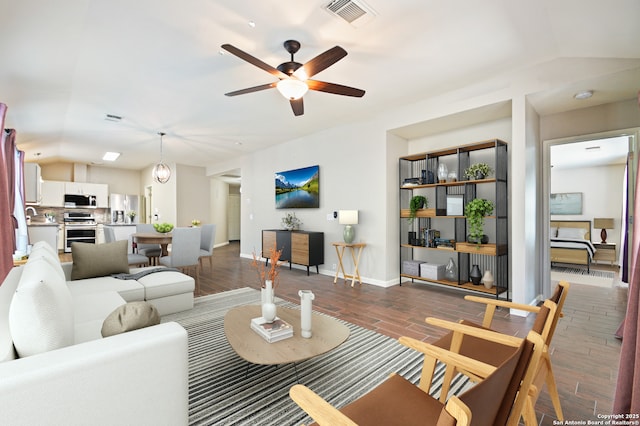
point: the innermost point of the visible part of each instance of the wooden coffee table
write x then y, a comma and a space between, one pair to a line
327, 334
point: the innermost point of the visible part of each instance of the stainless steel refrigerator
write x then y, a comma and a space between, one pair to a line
122, 206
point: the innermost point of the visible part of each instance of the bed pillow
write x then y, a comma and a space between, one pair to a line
573, 233
99, 260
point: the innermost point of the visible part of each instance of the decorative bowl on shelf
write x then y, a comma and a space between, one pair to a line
163, 228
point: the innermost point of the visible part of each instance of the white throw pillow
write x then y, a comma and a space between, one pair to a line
574, 233
41, 312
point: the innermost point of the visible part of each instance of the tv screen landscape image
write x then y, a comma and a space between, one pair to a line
299, 188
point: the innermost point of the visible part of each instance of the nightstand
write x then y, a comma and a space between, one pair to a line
605, 252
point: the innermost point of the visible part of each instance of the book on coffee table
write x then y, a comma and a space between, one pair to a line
272, 331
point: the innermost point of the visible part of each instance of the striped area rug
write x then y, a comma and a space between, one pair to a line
226, 390
582, 271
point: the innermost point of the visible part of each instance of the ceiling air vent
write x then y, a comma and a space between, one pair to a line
356, 13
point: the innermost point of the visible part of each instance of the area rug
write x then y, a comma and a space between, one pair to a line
579, 275
226, 390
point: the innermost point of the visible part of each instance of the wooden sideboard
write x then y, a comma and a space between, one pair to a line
299, 247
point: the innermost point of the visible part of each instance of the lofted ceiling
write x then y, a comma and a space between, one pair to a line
158, 65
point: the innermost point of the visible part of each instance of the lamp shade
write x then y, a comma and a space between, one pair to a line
603, 223
348, 217
292, 88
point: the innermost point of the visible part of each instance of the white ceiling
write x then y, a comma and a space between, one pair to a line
157, 63
591, 153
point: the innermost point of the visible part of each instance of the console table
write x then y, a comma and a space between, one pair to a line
299, 247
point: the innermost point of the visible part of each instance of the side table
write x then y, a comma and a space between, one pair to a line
605, 252
340, 247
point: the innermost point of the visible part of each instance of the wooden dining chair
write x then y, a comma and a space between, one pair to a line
185, 250
487, 352
397, 401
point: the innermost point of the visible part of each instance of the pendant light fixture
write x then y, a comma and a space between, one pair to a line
161, 172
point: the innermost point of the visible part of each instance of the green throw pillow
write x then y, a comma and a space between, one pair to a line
99, 260
130, 316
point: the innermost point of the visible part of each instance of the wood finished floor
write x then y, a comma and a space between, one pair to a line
585, 353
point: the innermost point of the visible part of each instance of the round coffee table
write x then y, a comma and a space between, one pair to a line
327, 334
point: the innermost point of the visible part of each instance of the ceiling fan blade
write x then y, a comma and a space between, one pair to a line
322, 62
297, 106
336, 89
253, 60
252, 89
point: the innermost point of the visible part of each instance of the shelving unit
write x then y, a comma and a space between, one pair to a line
418, 175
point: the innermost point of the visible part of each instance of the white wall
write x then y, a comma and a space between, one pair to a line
218, 203
192, 195
602, 194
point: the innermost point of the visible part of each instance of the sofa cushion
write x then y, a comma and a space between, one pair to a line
130, 290
166, 283
130, 316
98, 260
41, 312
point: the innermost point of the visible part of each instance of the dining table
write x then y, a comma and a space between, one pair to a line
164, 239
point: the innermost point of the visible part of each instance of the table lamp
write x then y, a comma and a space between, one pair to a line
603, 223
348, 218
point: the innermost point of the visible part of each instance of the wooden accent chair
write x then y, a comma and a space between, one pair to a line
398, 401
493, 354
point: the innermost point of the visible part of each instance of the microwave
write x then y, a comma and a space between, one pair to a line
79, 200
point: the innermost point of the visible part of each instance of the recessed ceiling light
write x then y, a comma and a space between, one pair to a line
584, 94
252, 24
111, 156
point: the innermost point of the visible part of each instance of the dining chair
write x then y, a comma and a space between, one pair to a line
398, 401
207, 239
185, 251
490, 353
152, 251
134, 259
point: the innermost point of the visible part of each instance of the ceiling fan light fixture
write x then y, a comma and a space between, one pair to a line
161, 172
292, 88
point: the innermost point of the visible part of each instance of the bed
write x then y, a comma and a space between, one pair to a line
571, 242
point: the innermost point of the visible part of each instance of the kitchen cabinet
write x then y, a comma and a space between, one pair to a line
47, 233
438, 235
32, 183
299, 247
52, 193
100, 190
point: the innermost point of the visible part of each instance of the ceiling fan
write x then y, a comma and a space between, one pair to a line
294, 77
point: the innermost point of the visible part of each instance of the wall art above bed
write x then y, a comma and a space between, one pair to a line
566, 203
299, 188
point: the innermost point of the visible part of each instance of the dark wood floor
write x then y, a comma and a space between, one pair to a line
585, 353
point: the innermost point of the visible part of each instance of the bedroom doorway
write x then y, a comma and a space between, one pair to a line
592, 168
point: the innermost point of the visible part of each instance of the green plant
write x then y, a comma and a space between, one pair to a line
417, 202
475, 212
478, 168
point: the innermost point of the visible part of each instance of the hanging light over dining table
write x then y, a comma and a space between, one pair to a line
161, 172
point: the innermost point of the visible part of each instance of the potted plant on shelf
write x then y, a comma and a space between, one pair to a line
417, 202
478, 171
475, 212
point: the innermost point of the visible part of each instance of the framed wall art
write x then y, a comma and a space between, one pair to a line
299, 188
566, 203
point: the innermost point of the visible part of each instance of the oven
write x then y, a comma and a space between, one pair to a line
79, 227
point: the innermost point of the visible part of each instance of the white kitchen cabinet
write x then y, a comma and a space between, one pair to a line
52, 193
48, 233
32, 182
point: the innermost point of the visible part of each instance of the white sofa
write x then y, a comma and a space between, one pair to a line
70, 374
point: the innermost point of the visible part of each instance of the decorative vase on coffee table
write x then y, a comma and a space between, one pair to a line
306, 296
268, 305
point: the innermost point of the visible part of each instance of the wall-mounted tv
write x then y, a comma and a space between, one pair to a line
298, 189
